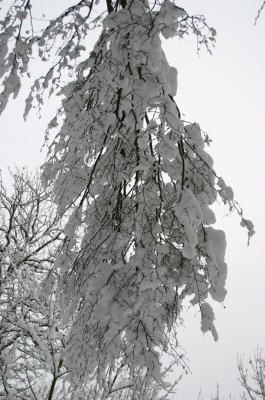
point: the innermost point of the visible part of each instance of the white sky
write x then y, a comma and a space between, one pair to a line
225, 94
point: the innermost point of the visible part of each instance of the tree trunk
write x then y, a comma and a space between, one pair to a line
54, 382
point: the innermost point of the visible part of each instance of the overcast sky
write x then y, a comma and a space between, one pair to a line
225, 94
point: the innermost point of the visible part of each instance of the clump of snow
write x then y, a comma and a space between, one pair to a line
226, 192
172, 78
168, 13
170, 30
193, 131
246, 223
188, 251
207, 320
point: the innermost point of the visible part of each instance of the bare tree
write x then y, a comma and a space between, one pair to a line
256, 387
253, 380
30, 236
217, 395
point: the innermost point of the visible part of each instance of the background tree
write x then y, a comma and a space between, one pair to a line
136, 181
257, 379
257, 376
31, 337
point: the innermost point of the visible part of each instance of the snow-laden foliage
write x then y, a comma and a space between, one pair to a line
137, 184
142, 183
20, 35
24, 36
